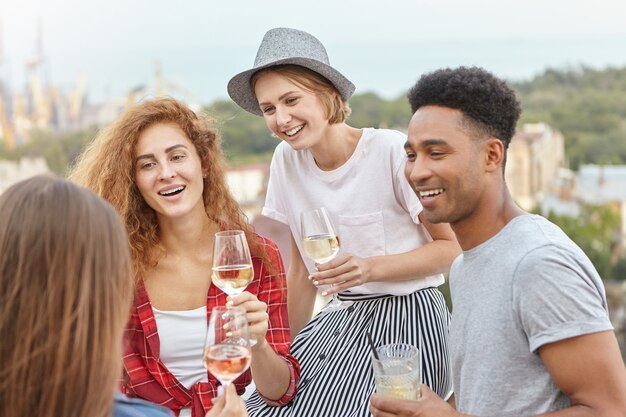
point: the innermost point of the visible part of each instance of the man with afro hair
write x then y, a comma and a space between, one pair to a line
530, 332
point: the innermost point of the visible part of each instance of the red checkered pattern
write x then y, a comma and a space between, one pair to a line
148, 378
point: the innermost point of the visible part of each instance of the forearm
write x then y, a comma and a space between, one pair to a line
270, 372
430, 259
583, 411
300, 299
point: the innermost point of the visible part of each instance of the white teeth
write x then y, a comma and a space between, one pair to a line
293, 131
429, 193
172, 191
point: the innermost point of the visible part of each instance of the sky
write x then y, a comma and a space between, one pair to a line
383, 47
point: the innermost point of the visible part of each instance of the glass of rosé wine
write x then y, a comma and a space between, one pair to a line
227, 346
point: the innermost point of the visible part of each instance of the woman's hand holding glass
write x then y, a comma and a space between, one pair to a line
256, 314
233, 271
321, 244
343, 272
229, 404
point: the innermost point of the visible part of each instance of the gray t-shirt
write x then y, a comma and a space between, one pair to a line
525, 287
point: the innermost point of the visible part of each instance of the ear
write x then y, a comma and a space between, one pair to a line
494, 154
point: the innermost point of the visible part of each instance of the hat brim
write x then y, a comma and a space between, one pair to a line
240, 91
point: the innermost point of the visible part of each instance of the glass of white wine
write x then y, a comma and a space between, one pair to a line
232, 264
227, 346
321, 244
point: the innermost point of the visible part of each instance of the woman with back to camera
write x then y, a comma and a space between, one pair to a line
160, 166
66, 290
391, 259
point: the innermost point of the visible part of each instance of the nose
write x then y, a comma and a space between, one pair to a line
283, 116
166, 172
418, 171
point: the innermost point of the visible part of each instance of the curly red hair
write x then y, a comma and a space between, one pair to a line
106, 166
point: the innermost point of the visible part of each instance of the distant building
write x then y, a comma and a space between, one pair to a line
15, 171
535, 160
603, 184
247, 183
592, 184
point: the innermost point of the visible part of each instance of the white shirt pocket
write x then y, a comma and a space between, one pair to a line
362, 235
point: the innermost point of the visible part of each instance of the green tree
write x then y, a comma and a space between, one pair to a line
59, 149
596, 231
588, 106
245, 137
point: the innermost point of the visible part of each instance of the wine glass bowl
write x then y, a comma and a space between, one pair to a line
321, 248
321, 244
227, 346
232, 263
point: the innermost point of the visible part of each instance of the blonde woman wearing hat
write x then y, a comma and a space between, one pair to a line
391, 259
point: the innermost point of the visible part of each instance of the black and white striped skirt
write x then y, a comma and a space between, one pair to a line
336, 377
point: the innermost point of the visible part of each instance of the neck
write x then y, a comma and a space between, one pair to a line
337, 146
494, 212
190, 236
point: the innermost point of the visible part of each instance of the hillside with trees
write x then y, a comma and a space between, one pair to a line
246, 137
588, 106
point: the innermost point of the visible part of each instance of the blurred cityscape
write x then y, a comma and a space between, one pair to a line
537, 171
42, 105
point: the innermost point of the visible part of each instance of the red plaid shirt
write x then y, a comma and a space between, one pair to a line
148, 378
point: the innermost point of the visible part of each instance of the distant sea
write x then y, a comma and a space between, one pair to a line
386, 69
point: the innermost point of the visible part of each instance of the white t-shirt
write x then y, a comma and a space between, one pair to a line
372, 204
181, 341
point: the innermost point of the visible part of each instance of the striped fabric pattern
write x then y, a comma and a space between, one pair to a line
336, 377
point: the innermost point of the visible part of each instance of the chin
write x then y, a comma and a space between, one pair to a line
436, 217
297, 146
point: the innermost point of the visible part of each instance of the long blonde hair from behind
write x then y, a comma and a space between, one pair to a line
107, 166
65, 292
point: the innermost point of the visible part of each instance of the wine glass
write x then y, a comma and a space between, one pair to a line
227, 345
232, 264
321, 244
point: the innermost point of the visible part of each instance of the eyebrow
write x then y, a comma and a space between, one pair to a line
167, 150
279, 98
426, 143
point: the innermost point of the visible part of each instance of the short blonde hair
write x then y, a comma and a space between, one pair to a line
337, 109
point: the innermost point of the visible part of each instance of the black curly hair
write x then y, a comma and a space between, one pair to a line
488, 104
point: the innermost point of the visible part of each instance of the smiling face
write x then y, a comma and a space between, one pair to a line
168, 171
444, 164
292, 113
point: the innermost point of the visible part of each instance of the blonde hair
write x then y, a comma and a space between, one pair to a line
107, 166
66, 286
337, 109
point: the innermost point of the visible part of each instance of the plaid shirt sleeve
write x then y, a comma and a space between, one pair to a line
272, 290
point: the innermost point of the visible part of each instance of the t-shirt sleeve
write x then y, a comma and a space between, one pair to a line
557, 294
274, 206
404, 192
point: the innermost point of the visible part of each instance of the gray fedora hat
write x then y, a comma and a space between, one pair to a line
281, 46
